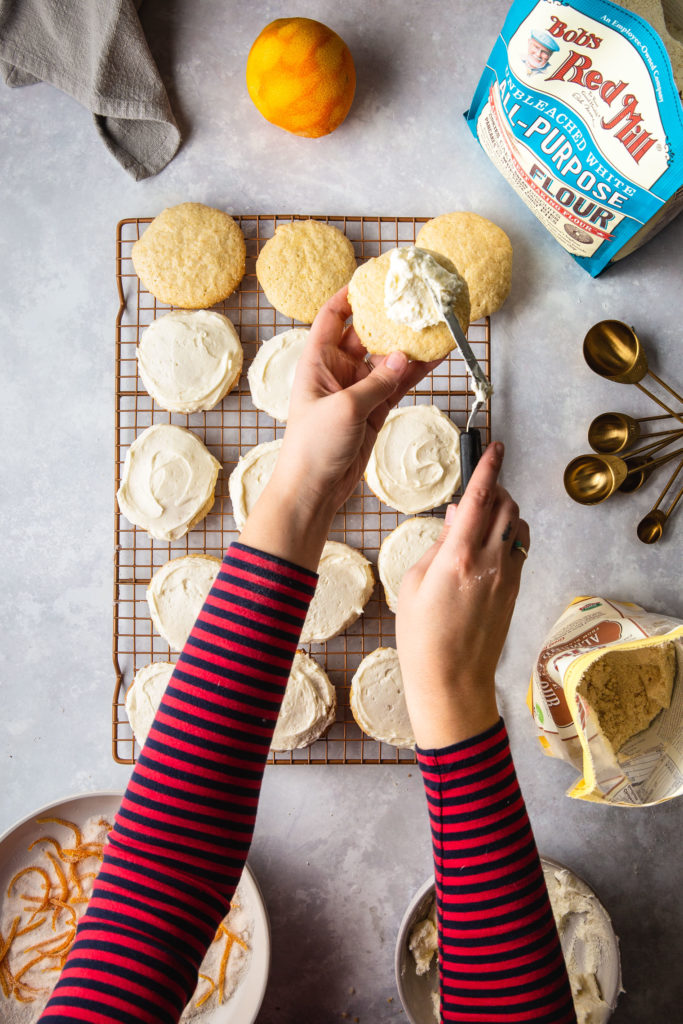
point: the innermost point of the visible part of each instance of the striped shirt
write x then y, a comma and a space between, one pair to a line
181, 836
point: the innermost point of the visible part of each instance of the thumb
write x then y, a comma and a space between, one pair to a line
380, 383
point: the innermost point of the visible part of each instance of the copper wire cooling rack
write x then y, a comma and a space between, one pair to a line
228, 431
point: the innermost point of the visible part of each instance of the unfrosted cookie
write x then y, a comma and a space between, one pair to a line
169, 481
250, 476
345, 583
481, 251
191, 256
401, 549
303, 265
189, 361
380, 334
271, 374
308, 708
378, 701
176, 594
144, 694
414, 465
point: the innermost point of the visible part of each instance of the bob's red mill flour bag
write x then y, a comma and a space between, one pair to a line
579, 109
607, 695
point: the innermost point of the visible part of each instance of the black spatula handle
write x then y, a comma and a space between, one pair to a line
470, 453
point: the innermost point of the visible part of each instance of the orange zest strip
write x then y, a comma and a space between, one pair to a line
6, 943
31, 927
6, 987
222, 969
61, 877
67, 824
231, 935
27, 871
207, 995
65, 938
28, 966
47, 839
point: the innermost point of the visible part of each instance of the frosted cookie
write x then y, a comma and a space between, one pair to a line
303, 265
176, 594
377, 699
401, 270
481, 251
189, 361
309, 706
168, 483
250, 476
415, 463
345, 583
401, 549
191, 256
271, 374
626, 690
144, 694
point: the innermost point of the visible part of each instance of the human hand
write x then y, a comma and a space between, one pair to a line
336, 410
454, 611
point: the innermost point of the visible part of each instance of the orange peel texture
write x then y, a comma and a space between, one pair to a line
301, 76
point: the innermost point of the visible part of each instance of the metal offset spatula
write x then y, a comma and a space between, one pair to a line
470, 438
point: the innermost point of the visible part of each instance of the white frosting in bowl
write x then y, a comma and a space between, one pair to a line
415, 463
271, 374
189, 360
176, 594
250, 476
308, 708
144, 694
401, 549
168, 482
377, 699
345, 583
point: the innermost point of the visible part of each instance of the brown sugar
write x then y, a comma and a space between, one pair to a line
626, 690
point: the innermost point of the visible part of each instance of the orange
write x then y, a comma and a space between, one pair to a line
301, 76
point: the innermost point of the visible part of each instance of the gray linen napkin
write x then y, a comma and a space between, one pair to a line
96, 51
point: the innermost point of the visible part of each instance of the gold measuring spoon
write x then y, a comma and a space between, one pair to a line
591, 479
613, 350
612, 432
651, 526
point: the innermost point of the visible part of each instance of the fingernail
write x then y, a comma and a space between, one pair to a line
450, 514
498, 450
396, 361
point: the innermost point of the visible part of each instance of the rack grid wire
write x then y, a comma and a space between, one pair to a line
231, 429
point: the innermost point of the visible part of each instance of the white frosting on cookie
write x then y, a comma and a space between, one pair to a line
176, 594
415, 463
144, 694
250, 476
345, 583
309, 706
188, 361
169, 481
377, 699
271, 374
414, 274
403, 547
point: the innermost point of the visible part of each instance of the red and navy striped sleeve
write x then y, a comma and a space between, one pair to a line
499, 952
182, 834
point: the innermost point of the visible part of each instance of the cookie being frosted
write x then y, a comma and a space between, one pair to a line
250, 476
401, 549
144, 694
176, 594
414, 465
191, 255
378, 701
375, 321
189, 361
271, 374
303, 265
345, 584
308, 708
480, 250
169, 481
